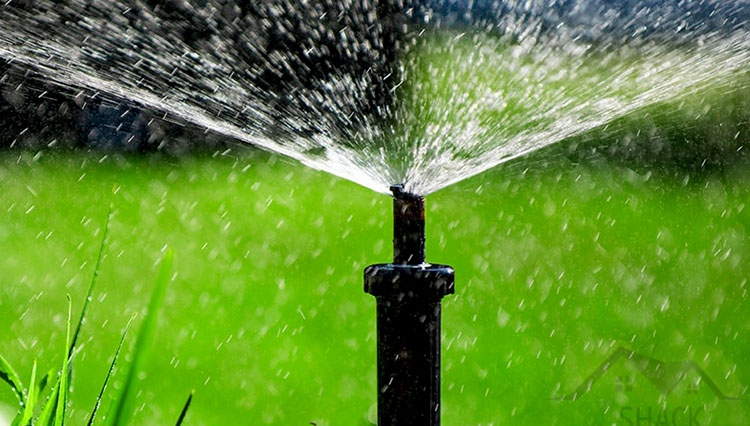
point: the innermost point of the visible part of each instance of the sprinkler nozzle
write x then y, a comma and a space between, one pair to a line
408, 227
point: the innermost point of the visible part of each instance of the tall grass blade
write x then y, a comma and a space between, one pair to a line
92, 283
184, 411
28, 409
46, 417
109, 374
49, 406
64, 389
52, 408
9, 376
44, 382
144, 341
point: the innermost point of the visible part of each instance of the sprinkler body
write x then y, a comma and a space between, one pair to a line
408, 294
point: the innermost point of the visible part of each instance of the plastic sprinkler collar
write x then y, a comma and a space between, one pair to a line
408, 294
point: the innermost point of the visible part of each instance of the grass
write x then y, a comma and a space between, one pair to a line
559, 260
53, 411
131, 254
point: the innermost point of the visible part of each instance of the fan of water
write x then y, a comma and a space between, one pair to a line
379, 91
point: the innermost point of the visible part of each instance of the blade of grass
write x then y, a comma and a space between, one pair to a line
49, 406
45, 417
109, 373
28, 409
44, 381
184, 411
9, 376
122, 408
92, 283
64, 389
27, 406
17, 419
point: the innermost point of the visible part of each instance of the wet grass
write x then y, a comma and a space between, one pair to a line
57, 401
560, 259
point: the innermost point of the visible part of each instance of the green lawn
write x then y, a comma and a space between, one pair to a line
560, 259
634, 236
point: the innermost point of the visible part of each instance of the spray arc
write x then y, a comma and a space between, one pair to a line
408, 294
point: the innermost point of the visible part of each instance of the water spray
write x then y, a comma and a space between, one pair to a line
408, 293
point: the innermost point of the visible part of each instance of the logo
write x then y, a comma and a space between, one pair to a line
681, 386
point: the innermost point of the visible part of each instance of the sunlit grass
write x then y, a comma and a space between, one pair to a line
55, 406
559, 258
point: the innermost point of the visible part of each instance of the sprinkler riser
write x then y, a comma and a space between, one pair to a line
408, 227
408, 329
408, 293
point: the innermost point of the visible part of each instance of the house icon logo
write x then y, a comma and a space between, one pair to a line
664, 376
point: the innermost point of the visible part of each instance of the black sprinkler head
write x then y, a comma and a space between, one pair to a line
408, 294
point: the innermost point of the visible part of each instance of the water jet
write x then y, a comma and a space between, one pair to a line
408, 293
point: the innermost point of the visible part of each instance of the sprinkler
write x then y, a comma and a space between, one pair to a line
408, 293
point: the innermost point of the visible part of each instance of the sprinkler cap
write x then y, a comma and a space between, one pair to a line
400, 193
409, 281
